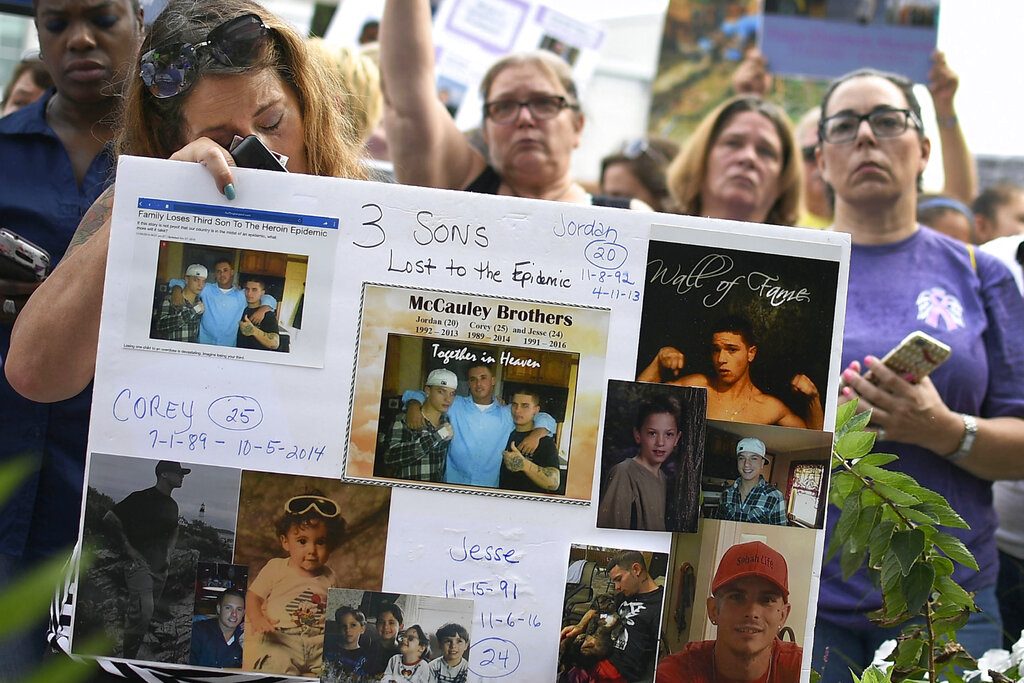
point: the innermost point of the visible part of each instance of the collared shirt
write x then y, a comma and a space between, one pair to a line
764, 504
480, 437
41, 200
418, 454
178, 323
210, 649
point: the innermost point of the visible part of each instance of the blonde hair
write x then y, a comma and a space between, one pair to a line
687, 171
360, 94
550, 64
154, 127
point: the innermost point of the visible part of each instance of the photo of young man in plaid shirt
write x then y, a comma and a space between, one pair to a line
750, 498
421, 454
182, 310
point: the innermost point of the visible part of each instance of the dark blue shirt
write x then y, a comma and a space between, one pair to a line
210, 649
41, 201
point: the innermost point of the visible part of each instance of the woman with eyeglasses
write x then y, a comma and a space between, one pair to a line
532, 118
955, 430
741, 164
209, 70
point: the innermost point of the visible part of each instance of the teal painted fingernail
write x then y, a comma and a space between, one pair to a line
229, 191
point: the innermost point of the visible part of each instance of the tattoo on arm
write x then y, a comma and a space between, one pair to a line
553, 475
98, 214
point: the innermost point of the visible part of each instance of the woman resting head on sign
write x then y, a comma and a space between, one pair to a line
958, 428
209, 70
532, 118
741, 163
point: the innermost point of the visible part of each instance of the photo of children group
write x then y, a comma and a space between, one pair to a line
372, 636
235, 298
518, 442
182, 577
611, 614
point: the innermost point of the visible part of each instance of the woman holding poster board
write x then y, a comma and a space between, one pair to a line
209, 70
956, 430
532, 119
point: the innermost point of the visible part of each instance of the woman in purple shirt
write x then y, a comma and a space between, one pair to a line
956, 430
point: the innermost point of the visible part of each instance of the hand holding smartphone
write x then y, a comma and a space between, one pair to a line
250, 152
915, 357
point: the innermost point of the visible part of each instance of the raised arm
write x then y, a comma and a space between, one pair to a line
957, 163
53, 344
426, 147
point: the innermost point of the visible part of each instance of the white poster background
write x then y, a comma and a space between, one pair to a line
510, 556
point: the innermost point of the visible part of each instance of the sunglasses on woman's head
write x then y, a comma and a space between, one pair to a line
170, 70
640, 147
300, 505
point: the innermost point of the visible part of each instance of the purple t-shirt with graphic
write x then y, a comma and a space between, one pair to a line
927, 283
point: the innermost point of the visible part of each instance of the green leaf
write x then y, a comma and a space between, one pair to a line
915, 515
954, 549
904, 482
895, 496
943, 565
950, 593
856, 423
891, 573
851, 560
907, 546
951, 624
878, 542
27, 599
855, 444
918, 586
866, 521
847, 520
908, 653
944, 514
13, 472
845, 412
843, 484
878, 459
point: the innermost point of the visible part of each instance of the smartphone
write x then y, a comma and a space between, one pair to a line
252, 153
20, 259
916, 356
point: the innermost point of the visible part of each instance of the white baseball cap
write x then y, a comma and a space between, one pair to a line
442, 378
196, 270
751, 445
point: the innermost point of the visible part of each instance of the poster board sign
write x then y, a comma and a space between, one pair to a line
702, 44
470, 35
826, 40
264, 452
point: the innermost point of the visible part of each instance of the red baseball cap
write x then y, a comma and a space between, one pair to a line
752, 559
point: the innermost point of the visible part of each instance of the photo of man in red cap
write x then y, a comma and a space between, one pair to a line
749, 604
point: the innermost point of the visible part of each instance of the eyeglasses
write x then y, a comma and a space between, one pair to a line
170, 70
885, 122
808, 152
300, 505
542, 107
642, 147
